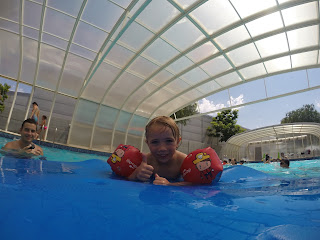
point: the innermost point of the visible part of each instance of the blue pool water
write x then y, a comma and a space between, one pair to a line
84, 200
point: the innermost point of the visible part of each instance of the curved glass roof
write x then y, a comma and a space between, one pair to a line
125, 62
271, 134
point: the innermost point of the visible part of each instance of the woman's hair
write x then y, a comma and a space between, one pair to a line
166, 122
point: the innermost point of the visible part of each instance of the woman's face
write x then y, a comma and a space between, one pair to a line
161, 143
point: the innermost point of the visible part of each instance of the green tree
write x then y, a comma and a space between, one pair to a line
224, 126
185, 112
307, 113
3, 95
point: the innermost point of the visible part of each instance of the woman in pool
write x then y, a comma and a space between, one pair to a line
164, 160
35, 112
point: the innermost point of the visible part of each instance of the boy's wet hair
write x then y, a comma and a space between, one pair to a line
167, 122
44, 117
29, 120
35, 103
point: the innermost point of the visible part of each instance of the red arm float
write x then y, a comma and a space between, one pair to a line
202, 166
125, 160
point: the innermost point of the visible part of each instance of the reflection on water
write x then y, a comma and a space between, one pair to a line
24, 166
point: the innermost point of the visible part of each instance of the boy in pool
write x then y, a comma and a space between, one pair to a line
24, 146
164, 160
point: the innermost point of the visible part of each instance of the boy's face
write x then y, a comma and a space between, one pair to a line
28, 132
161, 143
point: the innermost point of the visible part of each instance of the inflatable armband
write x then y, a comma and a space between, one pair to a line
202, 166
125, 160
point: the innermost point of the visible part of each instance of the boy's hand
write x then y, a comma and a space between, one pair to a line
143, 172
160, 180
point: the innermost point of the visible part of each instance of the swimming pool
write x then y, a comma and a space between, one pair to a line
84, 200
297, 169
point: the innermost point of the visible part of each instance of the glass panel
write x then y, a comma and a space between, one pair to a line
123, 3
143, 67
134, 140
232, 37
123, 121
10, 9
54, 41
75, 71
101, 13
136, 36
61, 119
270, 23
300, 13
118, 139
100, 81
253, 71
82, 52
278, 64
208, 87
7, 102
20, 108
71, 6
285, 83
137, 125
183, 34
83, 123
244, 93
195, 76
185, 3
304, 59
161, 77
119, 55
313, 75
14, 27
138, 96
177, 86
249, 7
31, 33
49, 66
303, 37
228, 79
215, 15
53, 22
32, 14
202, 52
10, 54
30, 49
180, 65
150, 104
216, 66
122, 88
84, 33
163, 11
105, 123
244, 54
160, 51
272, 45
